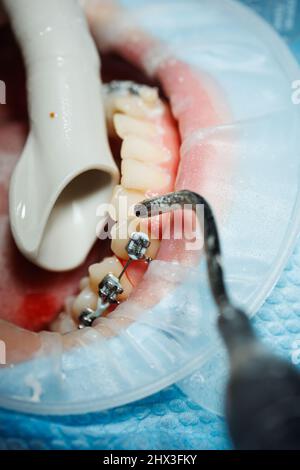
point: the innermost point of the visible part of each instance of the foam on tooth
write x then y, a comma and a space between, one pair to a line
142, 150
112, 265
126, 125
143, 177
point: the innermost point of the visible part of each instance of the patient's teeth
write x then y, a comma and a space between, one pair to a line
134, 106
142, 150
86, 299
143, 177
119, 242
84, 282
109, 265
137, 101
63, 324
127, 125
132, 113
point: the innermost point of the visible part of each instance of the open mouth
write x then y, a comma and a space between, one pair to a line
148, 127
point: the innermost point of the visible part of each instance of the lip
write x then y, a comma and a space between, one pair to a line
174, 337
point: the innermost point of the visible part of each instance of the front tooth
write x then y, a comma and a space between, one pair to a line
127, 125
142, 177
142, 150
112, 265
86, 299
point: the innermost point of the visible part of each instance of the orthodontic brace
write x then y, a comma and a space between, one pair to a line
123, 87
110, 287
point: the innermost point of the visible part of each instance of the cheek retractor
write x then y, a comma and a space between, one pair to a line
66, 169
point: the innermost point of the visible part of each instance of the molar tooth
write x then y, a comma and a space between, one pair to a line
127, 125
86, 299
144, 106
140, 149
112, 265
124, 201
143, 177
